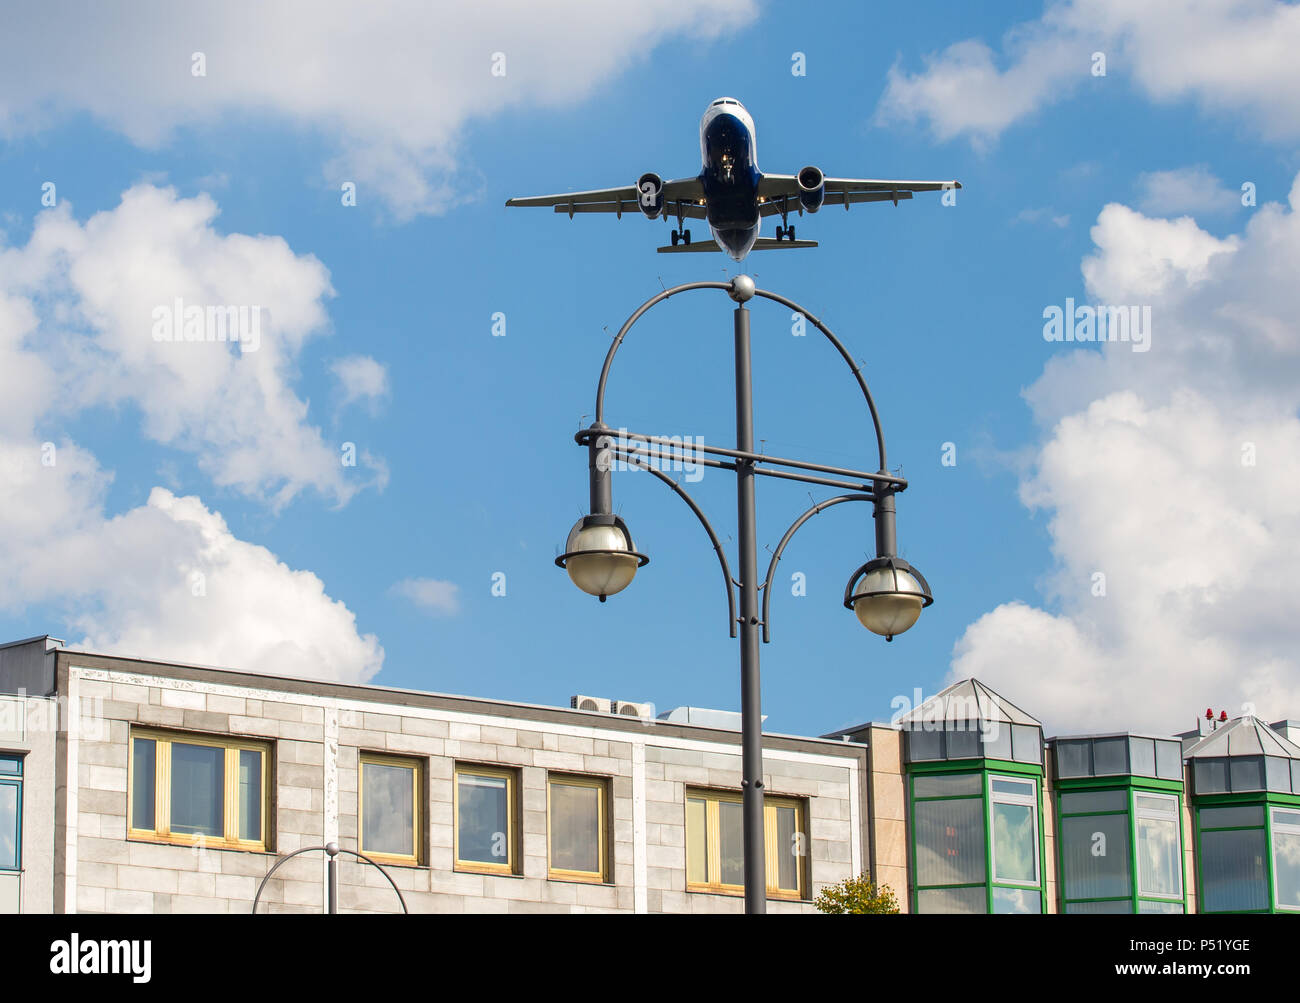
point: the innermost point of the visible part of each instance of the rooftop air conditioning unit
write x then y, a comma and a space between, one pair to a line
598, 704
626, 708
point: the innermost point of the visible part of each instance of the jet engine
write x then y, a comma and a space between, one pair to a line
650, 194
812, 188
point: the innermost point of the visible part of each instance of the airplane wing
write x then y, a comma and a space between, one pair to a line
685, 195
775, 189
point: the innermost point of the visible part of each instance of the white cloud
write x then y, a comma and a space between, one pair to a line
1043, 215
80, 302
1233, 57
1174, 474
361, 378
431, 595
166, 579
389, 85
1185, 190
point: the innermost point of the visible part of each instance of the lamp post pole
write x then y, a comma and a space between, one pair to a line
886, 593
751, 711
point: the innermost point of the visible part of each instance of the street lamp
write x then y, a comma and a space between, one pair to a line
887, 594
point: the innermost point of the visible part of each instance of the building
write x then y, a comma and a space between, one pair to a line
134, 786
140, 786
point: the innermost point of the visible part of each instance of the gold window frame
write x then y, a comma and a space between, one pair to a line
713, 844
161, 832
511, 777
416, 765
601, 785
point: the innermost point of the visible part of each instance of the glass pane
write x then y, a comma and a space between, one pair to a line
1233, 870
1169, 760
996, 740
1072, 758
11, 765
949, 842
1089, 801
198, 789
575, 827
1096, 908
1015, 842
963, 742
697, 848
1094, 856
731, 842
1295, 776
1278, 771
1019, 788
1142, 757
924, 745
946, 785
1159, 857
1281, 817
1109, 756
951, 900
387, 798
788, 845
1168, 907
250, 794
1286, 868
1226, 818
1016, 900
9, 825
142, 784
1211, 776
1246, 773
1028, 743
483, 822
1153, 806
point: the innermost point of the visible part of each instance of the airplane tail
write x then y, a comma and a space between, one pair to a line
762, 244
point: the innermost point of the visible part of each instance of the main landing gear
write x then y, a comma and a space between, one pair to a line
785, 232
683, 235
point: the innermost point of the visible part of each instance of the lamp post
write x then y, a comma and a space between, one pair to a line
887, 594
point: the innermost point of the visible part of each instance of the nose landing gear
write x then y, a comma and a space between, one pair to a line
683, 235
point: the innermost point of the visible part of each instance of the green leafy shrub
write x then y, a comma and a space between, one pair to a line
856, 895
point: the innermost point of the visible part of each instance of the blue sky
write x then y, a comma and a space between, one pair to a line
472, 467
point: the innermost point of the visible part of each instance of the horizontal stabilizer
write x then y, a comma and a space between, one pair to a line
762, 244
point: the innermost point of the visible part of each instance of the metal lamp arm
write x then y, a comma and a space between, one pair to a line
708, 528
789, 534
774, 297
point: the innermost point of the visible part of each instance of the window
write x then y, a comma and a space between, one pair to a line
715, 844
199, 789
948, 830
486, 819
1286, 858
390, 793
577, 828
11, 812
1233, 854
1013, 816
1159, 846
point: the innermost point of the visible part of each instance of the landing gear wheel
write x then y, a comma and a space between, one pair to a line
674, 238
686, 236
780, 233
789, 232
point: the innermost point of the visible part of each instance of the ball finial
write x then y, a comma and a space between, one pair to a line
742, 288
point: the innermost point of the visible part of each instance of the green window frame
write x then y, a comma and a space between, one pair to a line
963, 824
1264, 826
1144, 807
11, 812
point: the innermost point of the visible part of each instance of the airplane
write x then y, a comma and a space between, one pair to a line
731, 193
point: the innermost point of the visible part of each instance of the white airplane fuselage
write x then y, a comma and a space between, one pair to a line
730, 176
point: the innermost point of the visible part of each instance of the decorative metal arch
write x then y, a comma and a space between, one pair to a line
332, 849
